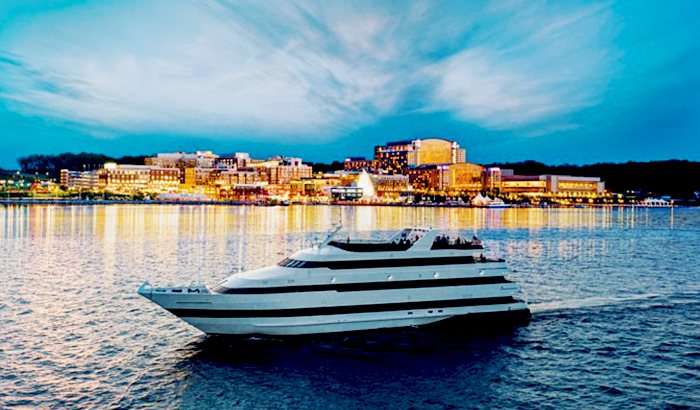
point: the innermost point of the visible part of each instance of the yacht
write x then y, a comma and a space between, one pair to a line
417, 277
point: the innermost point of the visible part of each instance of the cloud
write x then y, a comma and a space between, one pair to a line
308, 70
541, 66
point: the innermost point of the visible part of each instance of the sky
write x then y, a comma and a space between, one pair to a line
558, 82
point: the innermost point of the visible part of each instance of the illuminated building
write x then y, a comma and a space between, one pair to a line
243, 192
238, 177
314, 186
493, 177
200, 176
429, 177
462, 177
237, 160
132, 178
393, 157
576, 186
84, 180
346, 193
283, 170
397, 157
391, 186
435, 151
466, 177
182, 161
564, 185
358, 164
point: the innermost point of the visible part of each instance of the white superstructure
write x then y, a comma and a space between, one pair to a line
416, 278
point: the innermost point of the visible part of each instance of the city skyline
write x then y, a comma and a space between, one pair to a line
575, 82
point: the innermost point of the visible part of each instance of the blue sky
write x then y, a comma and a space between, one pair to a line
559, 82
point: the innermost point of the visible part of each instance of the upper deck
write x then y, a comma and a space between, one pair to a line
406, 239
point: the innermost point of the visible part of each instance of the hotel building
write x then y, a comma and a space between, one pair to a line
133, 178
398, 157
282, 170
182, 161
462, 177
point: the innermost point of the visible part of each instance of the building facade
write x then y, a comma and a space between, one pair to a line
182, 161
359, 164
564, 185
398, 157
135, 178
82, 180
466, 177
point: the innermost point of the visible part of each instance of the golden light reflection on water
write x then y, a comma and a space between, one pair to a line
159, 222
148, 230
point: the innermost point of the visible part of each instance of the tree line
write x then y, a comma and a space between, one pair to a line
53, 164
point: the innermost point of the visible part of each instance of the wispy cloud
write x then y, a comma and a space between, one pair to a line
313, 70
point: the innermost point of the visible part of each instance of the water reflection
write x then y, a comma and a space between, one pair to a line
349, 371
75, 333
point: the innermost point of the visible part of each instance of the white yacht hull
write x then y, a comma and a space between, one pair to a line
313, 325
347, 287
304, 313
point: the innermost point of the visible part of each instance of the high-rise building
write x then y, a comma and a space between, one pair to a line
398, 157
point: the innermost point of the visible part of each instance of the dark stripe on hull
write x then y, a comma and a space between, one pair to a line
386, 263
341, 310
358, 287
468, 324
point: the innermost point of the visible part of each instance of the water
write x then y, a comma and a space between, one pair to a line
615, 296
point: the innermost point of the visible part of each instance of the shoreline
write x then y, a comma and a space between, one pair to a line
84, 202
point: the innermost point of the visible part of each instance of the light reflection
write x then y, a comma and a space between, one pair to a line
60, 253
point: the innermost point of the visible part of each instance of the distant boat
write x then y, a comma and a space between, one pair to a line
486, 202
655, 203
497, 203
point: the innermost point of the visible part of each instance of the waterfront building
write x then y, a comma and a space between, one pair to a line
346, 193
82, 180
134, 178
200, 176
466, 177
562, 185
459, 177
243, 192
397, 157
239, 177
391, 186
429, 177
182, 161
316, 187
493, 177
283, 170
